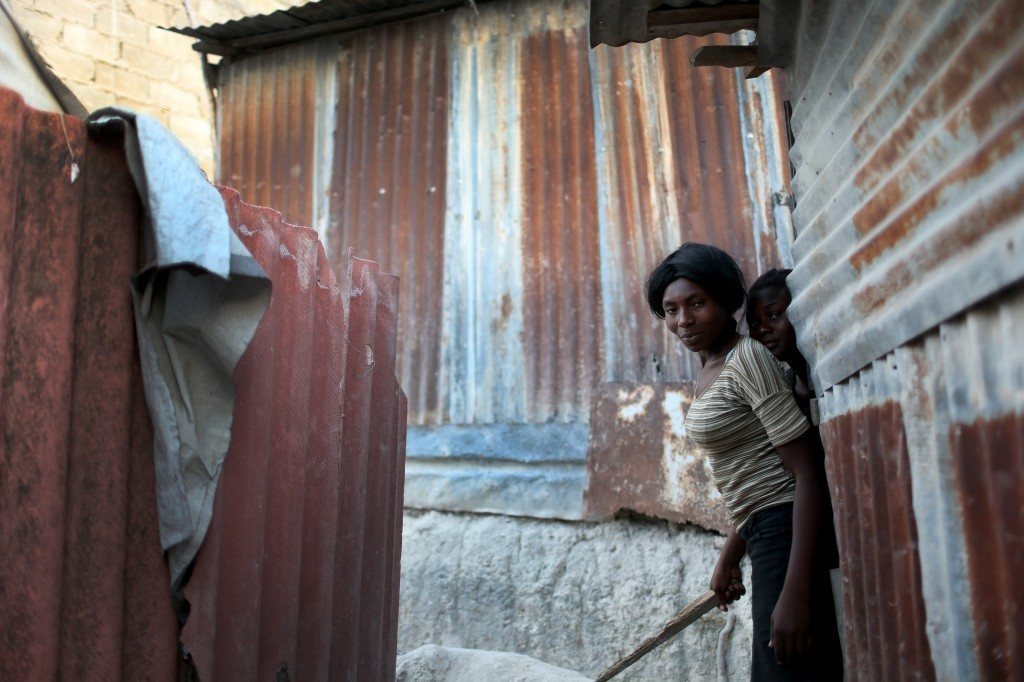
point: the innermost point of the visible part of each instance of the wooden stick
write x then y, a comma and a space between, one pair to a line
691, 614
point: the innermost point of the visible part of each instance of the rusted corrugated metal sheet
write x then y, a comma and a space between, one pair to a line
514, 175
511, 356
83, 581
276, 170
386, 197
869, 474
561, 257
909, 172
299, 571
298, 575
641, 459
924, 451
522, 187
668, 172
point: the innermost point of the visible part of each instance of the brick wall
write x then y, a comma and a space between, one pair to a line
112, 52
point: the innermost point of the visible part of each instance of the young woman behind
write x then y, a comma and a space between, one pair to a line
745, 418
766, 311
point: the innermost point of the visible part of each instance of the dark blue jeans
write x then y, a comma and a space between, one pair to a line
769, 538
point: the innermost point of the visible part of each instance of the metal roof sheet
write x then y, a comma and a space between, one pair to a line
325, 13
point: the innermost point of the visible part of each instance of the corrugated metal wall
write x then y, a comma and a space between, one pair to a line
273, 172
298, 574
925, 450
672, 167
908, 171
84, 589
386, 191
522, 186
909, 162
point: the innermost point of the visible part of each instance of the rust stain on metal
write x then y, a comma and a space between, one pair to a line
388, 186
561, 259
869, 474
999, 93
908, 183
987, 456
84, 583
640, 458
969, 229
661, 160
583, 232
300, 565
271, 169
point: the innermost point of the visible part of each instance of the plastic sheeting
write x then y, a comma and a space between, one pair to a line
198, 300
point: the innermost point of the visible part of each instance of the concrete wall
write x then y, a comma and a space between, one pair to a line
572, 594
113, 52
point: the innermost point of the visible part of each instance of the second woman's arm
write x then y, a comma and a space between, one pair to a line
791, 620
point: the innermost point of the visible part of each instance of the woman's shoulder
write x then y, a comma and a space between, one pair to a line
752, 358
748, 351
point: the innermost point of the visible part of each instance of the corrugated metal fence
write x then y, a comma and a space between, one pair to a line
84, 590
299, 571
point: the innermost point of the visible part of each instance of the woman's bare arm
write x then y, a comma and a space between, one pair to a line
727, 580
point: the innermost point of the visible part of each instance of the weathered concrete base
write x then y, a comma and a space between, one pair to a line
431, 663
573, 594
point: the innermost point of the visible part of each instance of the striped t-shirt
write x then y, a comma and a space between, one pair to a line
738, 420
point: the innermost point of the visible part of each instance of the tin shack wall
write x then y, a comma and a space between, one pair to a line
522, 186
503, 169
909, 170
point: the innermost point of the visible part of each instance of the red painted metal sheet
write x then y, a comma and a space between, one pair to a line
298, 574
84, 590
869, 476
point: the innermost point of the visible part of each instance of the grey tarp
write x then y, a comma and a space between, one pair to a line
198, 301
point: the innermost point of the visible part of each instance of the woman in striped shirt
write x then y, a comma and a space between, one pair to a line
744, 417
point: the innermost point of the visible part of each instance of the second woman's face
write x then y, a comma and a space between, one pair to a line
694, 316
769, 324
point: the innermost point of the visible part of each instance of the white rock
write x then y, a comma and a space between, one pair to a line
432, 663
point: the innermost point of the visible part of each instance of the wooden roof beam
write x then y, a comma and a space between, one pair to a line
730, 56
702, 20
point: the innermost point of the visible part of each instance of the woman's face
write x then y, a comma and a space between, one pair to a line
768, 323
694, 316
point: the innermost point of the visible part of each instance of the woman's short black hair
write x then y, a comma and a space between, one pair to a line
773, 279
708, 266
